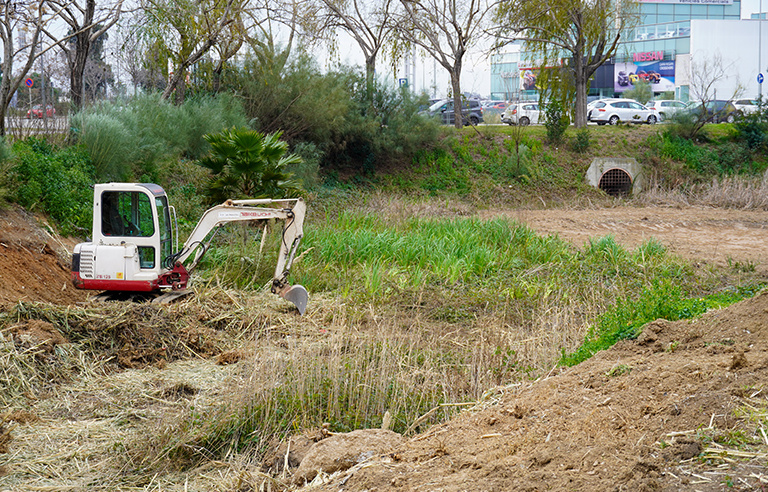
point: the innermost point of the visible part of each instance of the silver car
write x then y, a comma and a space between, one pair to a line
745, 106
666, 107
523, 114
616, 111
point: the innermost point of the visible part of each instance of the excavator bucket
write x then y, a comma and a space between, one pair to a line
298, 296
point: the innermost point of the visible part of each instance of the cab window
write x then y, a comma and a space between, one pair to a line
126, 213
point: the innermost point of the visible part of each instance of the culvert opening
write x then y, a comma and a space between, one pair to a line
616, 182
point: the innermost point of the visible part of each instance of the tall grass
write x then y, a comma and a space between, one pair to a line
431, 312
128, 141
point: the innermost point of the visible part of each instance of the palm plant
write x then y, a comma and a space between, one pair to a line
249, 164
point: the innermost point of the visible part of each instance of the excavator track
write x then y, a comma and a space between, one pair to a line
151, 297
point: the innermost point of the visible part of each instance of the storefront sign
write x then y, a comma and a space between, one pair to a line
648, 56
659, 74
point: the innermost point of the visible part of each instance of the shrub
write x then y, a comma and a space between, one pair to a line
753, 129
357, 126
249, 164
56, 182
128, 140
641, 92
581, 140
307, 171
5, 166
557, 122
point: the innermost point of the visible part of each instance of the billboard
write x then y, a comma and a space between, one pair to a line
659, 73
528, 79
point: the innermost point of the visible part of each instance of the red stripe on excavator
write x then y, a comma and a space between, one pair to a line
114, 285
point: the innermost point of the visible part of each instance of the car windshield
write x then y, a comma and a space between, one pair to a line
437, 105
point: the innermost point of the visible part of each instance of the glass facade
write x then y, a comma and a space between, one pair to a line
505, 76
660, 13
666, 26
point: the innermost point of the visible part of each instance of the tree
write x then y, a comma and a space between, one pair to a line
87, 22
29, 21
249, 164
445, 29
641, 91
369, 24
185, 31
586, 31
707, 72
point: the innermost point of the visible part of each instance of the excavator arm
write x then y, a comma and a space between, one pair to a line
249, 211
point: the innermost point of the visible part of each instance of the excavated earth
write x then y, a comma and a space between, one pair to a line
683, 407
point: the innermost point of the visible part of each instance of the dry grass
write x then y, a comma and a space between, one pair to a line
99, 426
739, 192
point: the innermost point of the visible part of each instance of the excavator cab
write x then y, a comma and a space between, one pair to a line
142, 215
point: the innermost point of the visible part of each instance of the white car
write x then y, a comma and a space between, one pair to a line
666, 107
745, 106
523, 114
616, 111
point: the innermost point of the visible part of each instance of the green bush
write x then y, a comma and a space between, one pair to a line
641, 92
357, 126
55, 182
752, 129
248, 164
581, 141
128, 141
726, 159
307, 171
5, 167
663, 299
557, 121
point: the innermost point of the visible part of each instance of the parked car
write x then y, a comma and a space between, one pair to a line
614, 111
745, 106
523, 114
37, 112
714, 111
666, 107
471, 112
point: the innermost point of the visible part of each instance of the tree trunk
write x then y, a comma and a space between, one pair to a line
2, 119
82, 47
458, 122
216, 83
580, 80
370, 69
580, 113
78, 69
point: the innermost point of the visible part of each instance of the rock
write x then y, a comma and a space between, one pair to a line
343, 451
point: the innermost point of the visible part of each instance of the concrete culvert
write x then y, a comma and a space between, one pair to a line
616, 176
616, 182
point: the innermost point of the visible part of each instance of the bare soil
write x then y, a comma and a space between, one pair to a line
683, 407
34, 261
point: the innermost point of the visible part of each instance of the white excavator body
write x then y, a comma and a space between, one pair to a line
134, 246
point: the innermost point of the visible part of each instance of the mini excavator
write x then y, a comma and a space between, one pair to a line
134, 247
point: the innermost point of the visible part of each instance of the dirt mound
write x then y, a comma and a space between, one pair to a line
34, 261
680, 408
